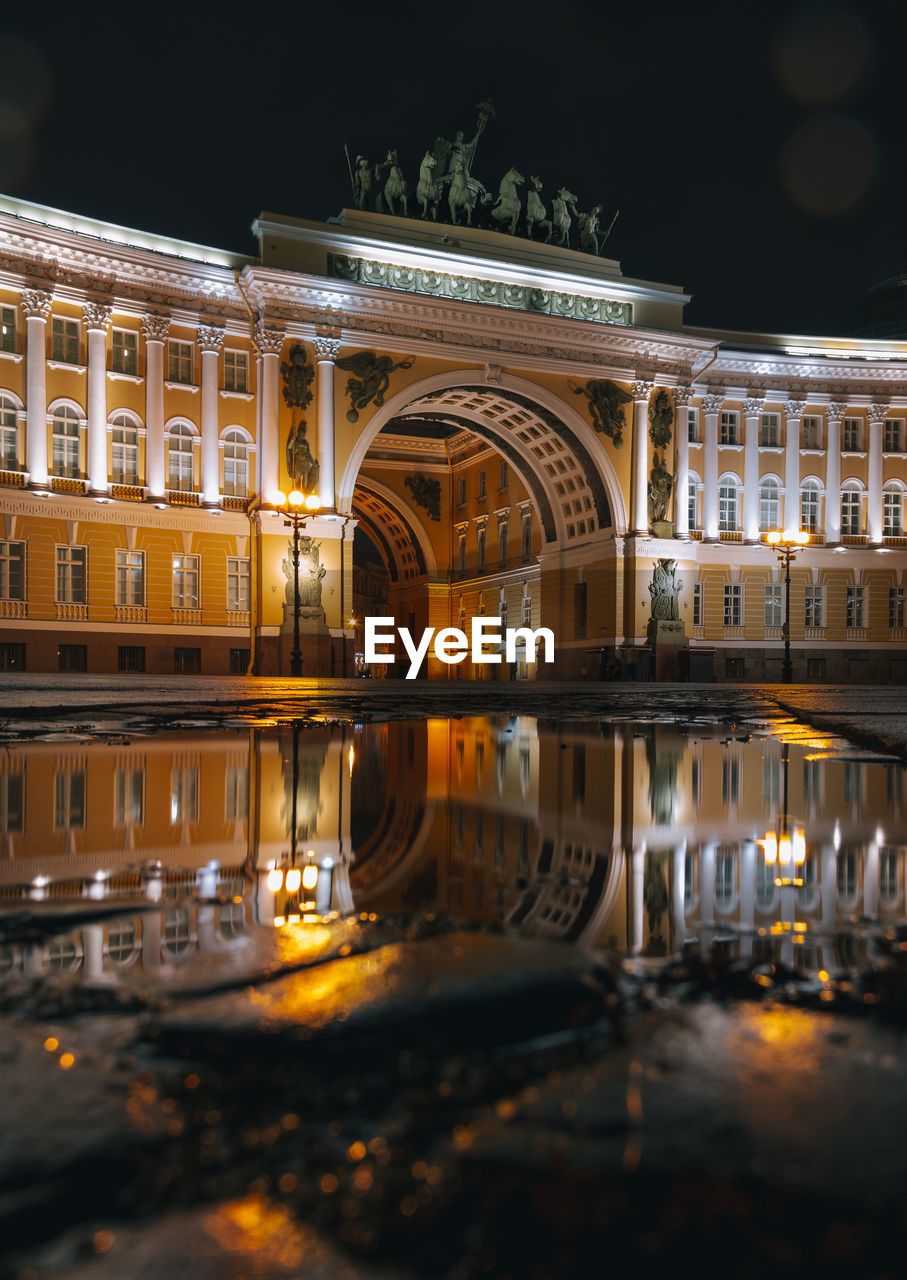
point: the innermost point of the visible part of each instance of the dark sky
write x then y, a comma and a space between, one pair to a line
756, 151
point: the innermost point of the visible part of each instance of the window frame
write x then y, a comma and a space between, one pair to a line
128, 363
129, 570
733, 604
239, 576
64, 560
65, 340
178, 351
186, 580
235, 361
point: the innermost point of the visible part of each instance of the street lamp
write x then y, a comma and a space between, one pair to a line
296, 508
787, 545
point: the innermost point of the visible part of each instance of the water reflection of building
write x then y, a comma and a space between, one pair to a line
643, 838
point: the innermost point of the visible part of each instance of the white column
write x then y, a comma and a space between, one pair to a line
636, 898
874, 521
752, 412
639, 495
678, 877
793, 411
210, 341
269, 343
871, 880
747, 917
155, 327
682, 397
326, 348
706, 897
836, 414
711, 408
97, 318
36, 306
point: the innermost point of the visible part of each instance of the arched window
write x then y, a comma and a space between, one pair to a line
893, 510
124, 450
9, 435
179, 458
236, 465
851, 507
769, 504
66, 442
727, 503
810, 504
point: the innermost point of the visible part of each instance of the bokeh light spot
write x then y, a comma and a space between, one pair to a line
828, 163
822, 52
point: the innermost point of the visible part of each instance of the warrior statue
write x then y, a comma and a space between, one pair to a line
664, 590
454, 160
301, 465
661, 482
311, 572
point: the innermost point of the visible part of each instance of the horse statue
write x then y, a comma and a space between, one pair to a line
458, 197
508, 205
428, 193
536, 213
395, 186
564, 202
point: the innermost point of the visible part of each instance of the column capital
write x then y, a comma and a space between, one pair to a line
682, 396
642, 389
36, 303
837, 410
752, 408
155, 326
877, 412
210, 338
793, 409
712, 403
327, 344
96, 315
269, 341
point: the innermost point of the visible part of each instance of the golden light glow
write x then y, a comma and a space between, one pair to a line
351, 755
275, 880
294, 879
279, 922
799, 847
295, 498
784, 849
278, 498
770, 848
313, 502
309, 876
773, 537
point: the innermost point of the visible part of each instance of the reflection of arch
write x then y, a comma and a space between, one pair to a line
547, 440
395, 848
569, 912
395, 529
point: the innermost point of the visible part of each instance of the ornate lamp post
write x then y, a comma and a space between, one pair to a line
787, 545
295, 509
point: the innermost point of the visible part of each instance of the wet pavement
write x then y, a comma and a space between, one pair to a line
625, 987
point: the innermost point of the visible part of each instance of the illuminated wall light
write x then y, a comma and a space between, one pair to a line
770, 848
279, 922
293, 880
293, 919
275, 880
799, 846
309, 876
784, 850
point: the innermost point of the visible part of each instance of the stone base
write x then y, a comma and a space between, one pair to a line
670, 645
311, 620
663, 528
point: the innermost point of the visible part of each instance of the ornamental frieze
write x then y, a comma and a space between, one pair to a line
496, 293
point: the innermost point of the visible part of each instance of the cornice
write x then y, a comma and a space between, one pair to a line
142, 515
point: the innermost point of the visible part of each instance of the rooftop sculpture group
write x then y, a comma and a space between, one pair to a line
446, 177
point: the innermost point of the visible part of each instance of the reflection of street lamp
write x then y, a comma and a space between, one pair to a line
787, 545
294, 518
785, 849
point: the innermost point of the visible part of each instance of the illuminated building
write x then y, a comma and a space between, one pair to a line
143, 427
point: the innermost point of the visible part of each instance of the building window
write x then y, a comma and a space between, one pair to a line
461, 551
12, 656
769, 505
481, 552
71, 576
502, 542
461, 491
130, 657
810, 433
527, 611
236, 465
526, 535
64, 340
579, 610
728, 428
179, 361
124, 450
187, 662
236, 371
769, 431
809, 507
692, 426
503, 475
892, 511
855, 600
69, 799
185, 582
7, 329
125, 354
697, 604
128, 797
130, 578
239, 661
179, 459
813, 615
773, 604
727, 507
236, 793
9, 435
895, 608
852, 435
851, 511
730, 780
692, 501
733, 604
72, 657
66, 442
12, 570
894, 435
483, 492
183, 795
238, 579
12, 802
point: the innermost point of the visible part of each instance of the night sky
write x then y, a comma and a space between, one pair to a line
756, 151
